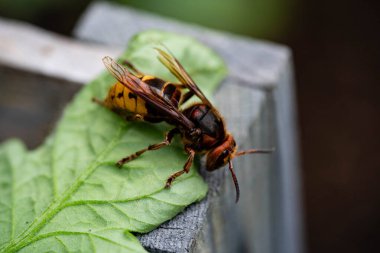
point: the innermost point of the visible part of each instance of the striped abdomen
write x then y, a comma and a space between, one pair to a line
123, 101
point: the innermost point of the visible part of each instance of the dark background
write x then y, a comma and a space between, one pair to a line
336, 54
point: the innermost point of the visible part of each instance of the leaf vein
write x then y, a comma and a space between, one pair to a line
68, 233
62, 243
27, 236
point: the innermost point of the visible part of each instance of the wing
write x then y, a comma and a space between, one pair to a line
180, 73
144, 91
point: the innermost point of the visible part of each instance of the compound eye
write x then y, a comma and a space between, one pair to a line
225, 153
221, 159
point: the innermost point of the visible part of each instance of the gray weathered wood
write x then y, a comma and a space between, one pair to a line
39, 73
256, 100
32, 49
115, 25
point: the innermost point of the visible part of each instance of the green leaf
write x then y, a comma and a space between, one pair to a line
67, 195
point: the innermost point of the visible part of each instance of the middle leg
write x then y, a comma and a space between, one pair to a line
168, 139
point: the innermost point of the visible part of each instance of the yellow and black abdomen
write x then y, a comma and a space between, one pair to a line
121, 99
126, 103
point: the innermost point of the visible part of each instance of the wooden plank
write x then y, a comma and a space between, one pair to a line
39, 73
32, 49
112, 24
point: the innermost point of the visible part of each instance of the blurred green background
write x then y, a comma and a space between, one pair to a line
260, 18
335, 45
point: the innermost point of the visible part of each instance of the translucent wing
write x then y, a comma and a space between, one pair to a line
144, 91
176, 68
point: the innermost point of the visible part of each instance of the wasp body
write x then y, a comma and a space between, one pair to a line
201, 127
125, 102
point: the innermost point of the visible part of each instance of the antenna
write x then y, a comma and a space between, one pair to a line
231, 168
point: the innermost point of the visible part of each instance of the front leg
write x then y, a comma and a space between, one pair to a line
186, 167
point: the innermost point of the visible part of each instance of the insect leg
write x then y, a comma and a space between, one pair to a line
186, 168
98, 101
186, 97
180, 85
168, 139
